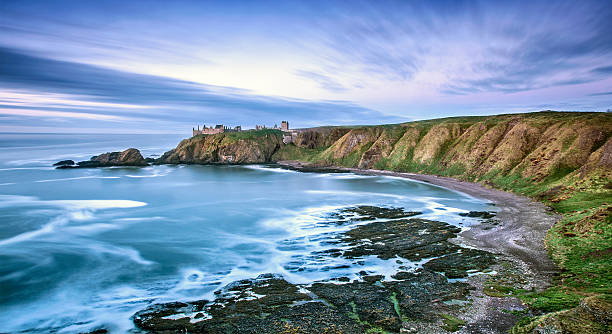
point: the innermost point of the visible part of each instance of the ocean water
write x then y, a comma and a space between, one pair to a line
86, 248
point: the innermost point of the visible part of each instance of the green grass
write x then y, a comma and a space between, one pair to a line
451, 323
292, 152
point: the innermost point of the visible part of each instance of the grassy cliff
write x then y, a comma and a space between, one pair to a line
563, 159
226, 148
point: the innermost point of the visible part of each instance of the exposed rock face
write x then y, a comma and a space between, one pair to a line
226, 148
64, 163
129, 157
432, 144
534, 146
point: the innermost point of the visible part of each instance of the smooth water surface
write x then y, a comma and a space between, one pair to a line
86, 248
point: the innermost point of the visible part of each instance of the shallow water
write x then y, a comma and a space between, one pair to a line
82, 248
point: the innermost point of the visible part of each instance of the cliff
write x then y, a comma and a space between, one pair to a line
563, 159
226, 148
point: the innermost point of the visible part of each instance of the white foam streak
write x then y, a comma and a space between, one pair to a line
74, 210
353, 193
270, 169
78, 178
45, 229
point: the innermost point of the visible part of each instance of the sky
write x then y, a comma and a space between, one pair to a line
167, 66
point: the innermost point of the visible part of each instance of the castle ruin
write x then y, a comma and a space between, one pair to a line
288, 135
219, 128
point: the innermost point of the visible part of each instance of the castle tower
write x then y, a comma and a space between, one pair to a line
285, 126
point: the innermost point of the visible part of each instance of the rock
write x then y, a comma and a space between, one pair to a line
129, 157
478, 214
372, 212
64, 163
245, 147
270, 304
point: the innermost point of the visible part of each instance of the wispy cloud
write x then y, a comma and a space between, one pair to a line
325, 81
72, 90
315, 62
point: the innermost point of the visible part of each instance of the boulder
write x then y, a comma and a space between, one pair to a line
129, 157
64, 163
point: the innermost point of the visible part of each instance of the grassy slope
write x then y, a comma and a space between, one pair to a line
539, 155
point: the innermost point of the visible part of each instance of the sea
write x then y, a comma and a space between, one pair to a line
82, 249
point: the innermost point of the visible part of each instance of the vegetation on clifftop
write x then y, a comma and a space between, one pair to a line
226, 148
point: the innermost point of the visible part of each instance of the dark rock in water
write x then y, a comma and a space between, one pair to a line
419, 295
457, 265
129, 157
64, 163
266, 304
364, 302
270, 304
98, 331
89, 164
150, 160
478, 214
372, 212
413, 239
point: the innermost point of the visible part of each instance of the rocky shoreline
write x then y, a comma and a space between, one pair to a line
516, 235
445, 294
427, 299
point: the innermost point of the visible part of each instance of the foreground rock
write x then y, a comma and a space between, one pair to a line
129, 157
371, 303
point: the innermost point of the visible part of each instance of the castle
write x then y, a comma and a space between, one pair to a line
288, 135
219, 128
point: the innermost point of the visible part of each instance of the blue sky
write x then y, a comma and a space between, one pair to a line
148, 66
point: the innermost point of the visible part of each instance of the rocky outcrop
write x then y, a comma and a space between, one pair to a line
226, 148
364, 303
129, 157
64, 163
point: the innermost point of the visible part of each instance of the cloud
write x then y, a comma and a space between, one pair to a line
59, 114
603, 70
336, 62
543, 51
323, 80
111, 94
601, 94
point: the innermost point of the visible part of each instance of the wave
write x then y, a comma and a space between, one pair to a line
353, 193
26, 168
156, 173
78, 178
73, 210
270, 169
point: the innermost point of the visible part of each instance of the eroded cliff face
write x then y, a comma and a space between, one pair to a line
534, 146
226, 148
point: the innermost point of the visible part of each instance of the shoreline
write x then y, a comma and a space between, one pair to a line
519, 239
525, 221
